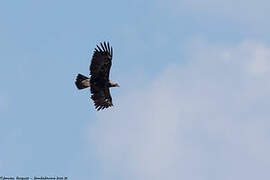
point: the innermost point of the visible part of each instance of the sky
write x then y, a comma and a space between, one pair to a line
193, 100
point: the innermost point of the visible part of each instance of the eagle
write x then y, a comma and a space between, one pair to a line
99, 81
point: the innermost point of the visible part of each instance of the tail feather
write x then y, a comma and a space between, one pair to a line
82, 81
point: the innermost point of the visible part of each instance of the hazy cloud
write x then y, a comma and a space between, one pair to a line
208, 119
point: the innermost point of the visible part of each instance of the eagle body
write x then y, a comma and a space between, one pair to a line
99, 81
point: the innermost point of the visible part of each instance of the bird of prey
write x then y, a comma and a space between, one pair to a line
99, 81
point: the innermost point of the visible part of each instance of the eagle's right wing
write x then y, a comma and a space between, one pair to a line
101, 62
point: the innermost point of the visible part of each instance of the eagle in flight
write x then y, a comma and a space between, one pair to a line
99, 81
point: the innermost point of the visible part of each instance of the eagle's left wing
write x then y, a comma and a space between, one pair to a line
101, 97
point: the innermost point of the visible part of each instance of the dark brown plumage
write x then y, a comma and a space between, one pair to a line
99, 82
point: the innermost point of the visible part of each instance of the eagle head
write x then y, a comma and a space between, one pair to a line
113, 84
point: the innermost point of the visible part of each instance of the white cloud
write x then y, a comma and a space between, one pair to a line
260, 62
208, 119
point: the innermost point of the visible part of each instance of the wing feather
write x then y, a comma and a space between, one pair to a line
102, 47
101, 62
99, 49
111, 52
101, 97
106, 48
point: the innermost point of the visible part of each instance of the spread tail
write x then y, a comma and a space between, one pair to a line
82, 82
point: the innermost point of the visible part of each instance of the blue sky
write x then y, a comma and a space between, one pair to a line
193, 101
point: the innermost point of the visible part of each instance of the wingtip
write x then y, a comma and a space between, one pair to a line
106, 47
102, 47
99, 48
111, 52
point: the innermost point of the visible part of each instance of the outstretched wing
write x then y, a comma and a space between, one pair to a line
101, 62
100, 71
101, 97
